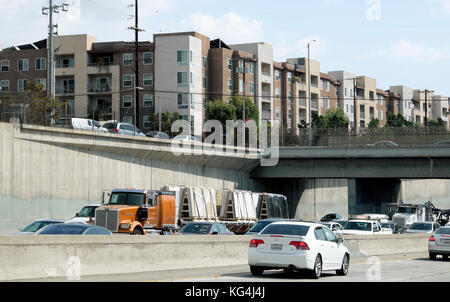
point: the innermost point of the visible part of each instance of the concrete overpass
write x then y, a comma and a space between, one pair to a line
388, 163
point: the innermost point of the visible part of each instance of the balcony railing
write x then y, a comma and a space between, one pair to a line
315, 104
99, 89
302, 103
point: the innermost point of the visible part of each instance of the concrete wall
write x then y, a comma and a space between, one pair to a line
311, 199
421, 191
54, 180
28, 257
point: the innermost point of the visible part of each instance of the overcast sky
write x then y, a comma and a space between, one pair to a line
398, 42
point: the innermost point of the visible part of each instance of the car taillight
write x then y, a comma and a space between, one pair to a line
115, 130
432, 239
255, 242
300, 245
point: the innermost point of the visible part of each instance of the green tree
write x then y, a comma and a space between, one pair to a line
251, 111
221, 111
42, 108
395, 120
374, 123
336, 118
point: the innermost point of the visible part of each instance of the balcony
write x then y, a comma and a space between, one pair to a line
99, 89
314, 104
302, 102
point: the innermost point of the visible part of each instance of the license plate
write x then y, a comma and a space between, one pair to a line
277, 247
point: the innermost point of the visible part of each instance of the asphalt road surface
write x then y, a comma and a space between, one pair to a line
412, 269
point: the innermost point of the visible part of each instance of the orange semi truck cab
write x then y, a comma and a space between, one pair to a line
137, 212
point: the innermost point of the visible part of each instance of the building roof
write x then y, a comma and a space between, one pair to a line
330, 78
120, 46
217, 43
36, 45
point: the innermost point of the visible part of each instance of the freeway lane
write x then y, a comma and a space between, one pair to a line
415, 269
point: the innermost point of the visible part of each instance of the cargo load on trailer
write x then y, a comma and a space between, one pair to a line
169, 209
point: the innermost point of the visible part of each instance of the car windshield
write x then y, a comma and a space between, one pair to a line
196, 228
421, 226
62, 229
330, 216
443, 231
259, 226
407, 210
124, 198
36, 226
385, 225
358, 226
286, 229
87, 212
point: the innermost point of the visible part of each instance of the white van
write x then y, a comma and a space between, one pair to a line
87, 124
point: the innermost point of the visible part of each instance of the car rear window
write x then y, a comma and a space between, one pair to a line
286, 229
110, 125
443, 231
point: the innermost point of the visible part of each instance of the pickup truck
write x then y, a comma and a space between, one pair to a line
362, 227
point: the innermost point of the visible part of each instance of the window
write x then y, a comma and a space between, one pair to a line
321, 102
381, 115
327, 86
204, 82
351, 92
277, 113
329, 235
277, 75
241, 85
127, 101
346, 90
192, 79
22, 64
147, 122
127, 59
251, 67
5, 65
252, 87
43, 82
290, 94
148, 58
148, 79
322, 85
230, 84
320, 235
182, 79
289, 77
128, 120
328, 103
21, 85
191, 56
41, 64
277, 93
182, 101
182, 57
127, 80
230, 64
148, 100
68, 86
4, 85
346, 107
205, 62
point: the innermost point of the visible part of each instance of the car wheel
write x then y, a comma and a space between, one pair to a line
432, 256
317, 271
137, 232
256, 270
345, 264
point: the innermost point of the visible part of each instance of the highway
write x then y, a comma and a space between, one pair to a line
417, 268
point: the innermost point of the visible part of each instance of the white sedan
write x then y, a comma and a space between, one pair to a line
295, 246
439, 243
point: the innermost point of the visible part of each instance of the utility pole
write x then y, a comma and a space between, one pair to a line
49, 11
309, 97
243, 70
426, 108
136, 63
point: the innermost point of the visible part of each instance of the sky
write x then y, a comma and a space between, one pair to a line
398, 42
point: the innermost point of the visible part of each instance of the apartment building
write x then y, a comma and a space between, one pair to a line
382, 106
366, 89
263, 76
23, 63
406, 104
420, 110
440, 108
181, 65
346, 93
329, 92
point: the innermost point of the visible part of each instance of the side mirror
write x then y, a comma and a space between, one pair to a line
76, 215
340, 240
214, 233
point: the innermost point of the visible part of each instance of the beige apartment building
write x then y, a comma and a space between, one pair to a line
420, 110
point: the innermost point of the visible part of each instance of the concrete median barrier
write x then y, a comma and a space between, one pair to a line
32, 257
